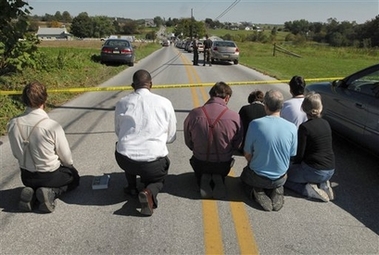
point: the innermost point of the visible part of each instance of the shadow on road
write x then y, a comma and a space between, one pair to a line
356, 182
184, 185
83, 195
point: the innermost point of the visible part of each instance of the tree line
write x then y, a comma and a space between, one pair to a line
334, 33
18, 41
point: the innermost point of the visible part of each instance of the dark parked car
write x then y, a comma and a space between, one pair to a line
351, 106
117, 51
224, 51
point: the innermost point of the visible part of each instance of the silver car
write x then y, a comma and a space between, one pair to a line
224, 51
351, 106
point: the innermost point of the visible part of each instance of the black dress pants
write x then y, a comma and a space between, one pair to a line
61, 180
205, 167
195, 57
152, 173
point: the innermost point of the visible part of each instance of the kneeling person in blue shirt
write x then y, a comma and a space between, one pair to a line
270, 142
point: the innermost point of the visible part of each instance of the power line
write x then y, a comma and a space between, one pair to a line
228, 9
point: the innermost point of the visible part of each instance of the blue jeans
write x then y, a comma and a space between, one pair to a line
299, 175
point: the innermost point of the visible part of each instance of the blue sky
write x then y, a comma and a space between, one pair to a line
258, 12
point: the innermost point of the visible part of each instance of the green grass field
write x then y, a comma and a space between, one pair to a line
315, 61
74, 65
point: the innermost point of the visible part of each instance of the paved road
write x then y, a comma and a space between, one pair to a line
90, 221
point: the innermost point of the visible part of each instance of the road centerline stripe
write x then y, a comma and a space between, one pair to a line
213, 241
242, 226
212, 231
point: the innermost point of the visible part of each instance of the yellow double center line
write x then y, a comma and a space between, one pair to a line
213, 240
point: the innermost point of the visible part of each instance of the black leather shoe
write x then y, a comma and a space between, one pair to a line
146, 199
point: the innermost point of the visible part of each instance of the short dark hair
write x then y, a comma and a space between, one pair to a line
34, 94
297, 85
220, 89
141, 79
274, 100
256, 95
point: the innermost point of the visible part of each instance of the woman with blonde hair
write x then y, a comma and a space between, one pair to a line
314, 164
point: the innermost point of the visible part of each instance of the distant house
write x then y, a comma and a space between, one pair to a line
47, 33
150, 23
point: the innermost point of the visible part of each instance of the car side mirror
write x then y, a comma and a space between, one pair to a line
337, 83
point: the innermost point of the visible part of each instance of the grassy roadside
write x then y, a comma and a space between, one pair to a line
315, 62
76, 66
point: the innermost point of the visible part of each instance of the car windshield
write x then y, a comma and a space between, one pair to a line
368, 84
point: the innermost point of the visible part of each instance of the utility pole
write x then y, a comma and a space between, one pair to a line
191, 26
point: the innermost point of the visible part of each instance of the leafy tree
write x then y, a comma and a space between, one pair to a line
17, 48
213, 24
337, 39
298, 26
66, 17
33, 26
316, 27
208, 23
158, 21
369, 33
169, 23
81, 25
130, 28
48, 17
116, 27
102, 26
175, 21
58, 16
188, 25
257, 37
290, 37
150, 35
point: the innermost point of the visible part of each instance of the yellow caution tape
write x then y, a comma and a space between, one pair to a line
162, 86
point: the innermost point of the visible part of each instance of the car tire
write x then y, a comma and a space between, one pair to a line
235, 61
131, 64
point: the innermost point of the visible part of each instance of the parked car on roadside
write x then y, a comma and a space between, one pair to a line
117, 51
188, 46
200, 46
166, 43
351, 105
224, 51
